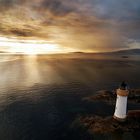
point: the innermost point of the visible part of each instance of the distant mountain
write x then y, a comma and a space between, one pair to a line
121, 52
124, 53
2, 52
127, 52
78, 52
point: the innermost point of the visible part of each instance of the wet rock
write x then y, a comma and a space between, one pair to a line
109, 96
98, 124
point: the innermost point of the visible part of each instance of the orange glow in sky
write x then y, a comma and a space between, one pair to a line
31, 46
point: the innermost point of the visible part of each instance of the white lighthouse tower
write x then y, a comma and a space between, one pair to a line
121, 102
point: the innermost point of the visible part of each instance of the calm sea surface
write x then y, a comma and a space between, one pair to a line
40, 97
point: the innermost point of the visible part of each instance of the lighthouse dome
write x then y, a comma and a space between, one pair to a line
123, 86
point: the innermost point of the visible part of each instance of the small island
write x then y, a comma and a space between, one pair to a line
102, 125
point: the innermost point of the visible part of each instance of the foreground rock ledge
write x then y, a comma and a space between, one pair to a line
97, 124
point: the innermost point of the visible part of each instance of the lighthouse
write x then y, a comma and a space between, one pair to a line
121, 102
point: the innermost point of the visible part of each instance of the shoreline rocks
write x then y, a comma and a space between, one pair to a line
98, 124
101, 125
109, 96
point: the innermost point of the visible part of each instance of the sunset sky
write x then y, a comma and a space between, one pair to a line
55, 26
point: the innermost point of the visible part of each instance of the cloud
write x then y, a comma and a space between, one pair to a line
117, 9
57, 7
87, 25
7, 4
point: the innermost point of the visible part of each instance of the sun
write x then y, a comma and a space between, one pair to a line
29, 47
29, 50
33, 49
26, 50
